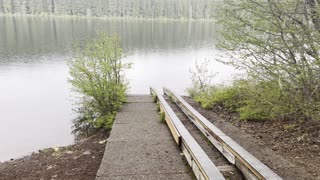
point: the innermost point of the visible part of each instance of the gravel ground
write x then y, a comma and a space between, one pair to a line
291, 149
74, 162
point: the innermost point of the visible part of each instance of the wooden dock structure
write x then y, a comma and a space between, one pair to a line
142, 147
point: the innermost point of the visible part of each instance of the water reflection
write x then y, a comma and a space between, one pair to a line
35, 105
46, 35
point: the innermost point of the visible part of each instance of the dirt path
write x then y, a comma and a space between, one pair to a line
292, 151
78, 161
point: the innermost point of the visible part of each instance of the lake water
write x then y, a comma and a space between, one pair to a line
35, 97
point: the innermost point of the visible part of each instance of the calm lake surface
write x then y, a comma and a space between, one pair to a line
35, 97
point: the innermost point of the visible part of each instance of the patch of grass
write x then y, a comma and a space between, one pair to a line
162, 117
154, 98
257, 100
158, 107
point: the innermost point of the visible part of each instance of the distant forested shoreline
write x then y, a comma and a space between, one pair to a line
172, 9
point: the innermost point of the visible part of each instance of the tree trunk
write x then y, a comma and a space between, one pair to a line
52, 7
12, 6
1, 7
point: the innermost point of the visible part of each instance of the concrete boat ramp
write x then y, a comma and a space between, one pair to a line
141, 147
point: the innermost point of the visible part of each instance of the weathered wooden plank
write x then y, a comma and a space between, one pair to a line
226, 168
254, 167
200, 163
173, 129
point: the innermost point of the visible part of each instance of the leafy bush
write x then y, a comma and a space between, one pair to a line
235, 98
201, 79
97, 78
221, 96
266, 100
255, 100
277, 44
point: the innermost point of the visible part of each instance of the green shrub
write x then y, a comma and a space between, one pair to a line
201, 79
158, 106
256, 100
266, 100
162, 117
230, 97
97, 78
154, 98
277, 44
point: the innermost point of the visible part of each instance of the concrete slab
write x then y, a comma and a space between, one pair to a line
133, 117
143, 131
139, 98
142, 157
139, 107
175, 176
140, 147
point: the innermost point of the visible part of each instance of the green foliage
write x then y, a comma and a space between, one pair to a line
226, 96
201, 79
158, 107
235, 98
97, 78
277, 43
162, 117
264, 100
154, 98
255, 100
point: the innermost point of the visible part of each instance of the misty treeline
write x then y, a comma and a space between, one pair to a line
173, 9
277, 42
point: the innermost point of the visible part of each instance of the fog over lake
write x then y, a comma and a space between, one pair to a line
35, 98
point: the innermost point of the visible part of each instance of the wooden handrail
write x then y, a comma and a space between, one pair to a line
200, 163
251, 167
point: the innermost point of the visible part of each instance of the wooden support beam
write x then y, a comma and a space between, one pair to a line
202, 166
251, 167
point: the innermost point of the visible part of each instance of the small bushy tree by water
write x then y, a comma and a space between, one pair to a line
201, 78
97, 77
278, 44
